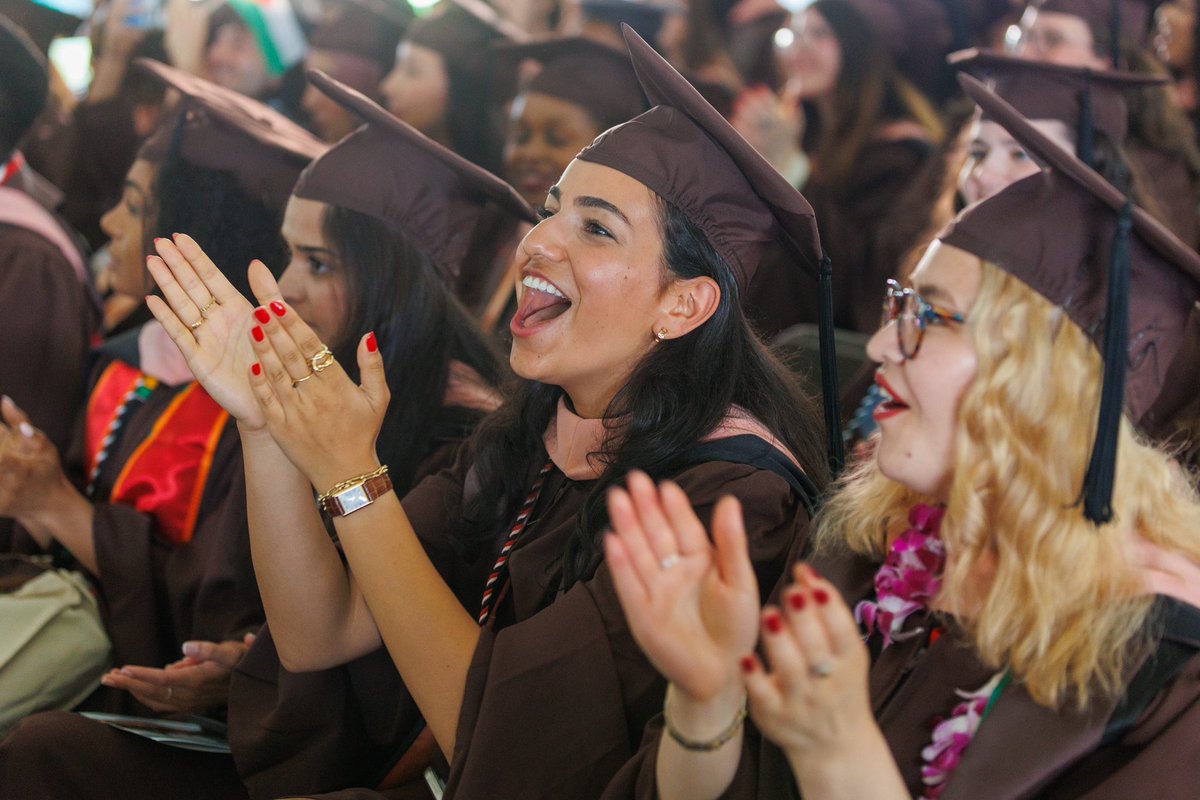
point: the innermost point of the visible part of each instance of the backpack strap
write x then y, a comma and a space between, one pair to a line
756, 452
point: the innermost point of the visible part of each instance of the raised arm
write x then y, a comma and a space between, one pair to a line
307, 595
327, 426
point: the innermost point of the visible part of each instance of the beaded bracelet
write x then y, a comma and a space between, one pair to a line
706, 745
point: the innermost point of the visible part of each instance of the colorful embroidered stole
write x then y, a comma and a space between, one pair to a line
166, 475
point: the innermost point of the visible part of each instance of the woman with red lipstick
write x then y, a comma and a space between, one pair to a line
636, 354
1023, 566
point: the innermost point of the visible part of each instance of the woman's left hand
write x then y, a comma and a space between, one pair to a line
325, 424
30, 469
813, 702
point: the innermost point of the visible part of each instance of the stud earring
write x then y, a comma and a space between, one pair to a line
661, 335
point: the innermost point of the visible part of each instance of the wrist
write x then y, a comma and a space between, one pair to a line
55, 503
704, 719
833, 763
329, 476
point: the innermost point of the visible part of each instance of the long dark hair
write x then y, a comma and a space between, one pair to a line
395, 290
679, 393
210, 205
473, 119
869, 92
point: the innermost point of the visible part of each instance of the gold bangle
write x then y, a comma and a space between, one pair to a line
349, 484
705, 745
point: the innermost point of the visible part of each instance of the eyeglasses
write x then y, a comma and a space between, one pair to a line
912, 313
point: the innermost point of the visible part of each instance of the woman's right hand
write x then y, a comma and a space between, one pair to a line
218, 351
692, 606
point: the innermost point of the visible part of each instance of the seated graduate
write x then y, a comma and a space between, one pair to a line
1024, 637
377, 230
636, 355
151, 501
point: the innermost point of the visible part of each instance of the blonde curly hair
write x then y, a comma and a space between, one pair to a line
1042, 591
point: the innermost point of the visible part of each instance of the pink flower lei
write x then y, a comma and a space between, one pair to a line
909, 578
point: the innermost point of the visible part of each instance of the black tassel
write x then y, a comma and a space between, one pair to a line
829, 377
1085, 135
1114, 30
1101, 472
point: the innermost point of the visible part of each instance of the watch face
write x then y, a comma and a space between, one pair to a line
353, 499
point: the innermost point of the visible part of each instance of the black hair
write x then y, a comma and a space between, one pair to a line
211, 206
680, 392
395, 290
473, 120
24, 85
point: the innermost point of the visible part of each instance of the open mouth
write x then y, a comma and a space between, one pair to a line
892, 404
541, 303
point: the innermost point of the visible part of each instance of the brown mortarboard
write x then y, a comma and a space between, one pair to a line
589, 74
684, 151
463, 33
361, 31
1086, 100
217, 128
1119, 275
389, 170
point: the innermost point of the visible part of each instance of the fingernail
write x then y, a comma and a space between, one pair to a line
26, 430
258, 333
191, 648
106, 680
821, 596
774, 623
174, 235
278, 308
261, 315
157, 239
372, 344
126, 671
796, 601
256, 368
748, 663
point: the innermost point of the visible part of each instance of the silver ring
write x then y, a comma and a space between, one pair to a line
669, 561
821, 669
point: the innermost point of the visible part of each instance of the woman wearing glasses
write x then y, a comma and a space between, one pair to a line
1025, 579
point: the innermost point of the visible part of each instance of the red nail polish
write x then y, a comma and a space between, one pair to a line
821, 596
278, 308
256, 368
258, 333
748, 663
158, 239
796, 601
372, 344
174, 235
774, 623
262, 316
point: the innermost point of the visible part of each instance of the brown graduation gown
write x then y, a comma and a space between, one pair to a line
558, 694
1021, 750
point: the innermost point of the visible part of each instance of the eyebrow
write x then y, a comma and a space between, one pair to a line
597, 202
310, 250
136, 188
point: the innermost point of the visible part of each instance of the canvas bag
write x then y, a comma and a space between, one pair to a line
53, 646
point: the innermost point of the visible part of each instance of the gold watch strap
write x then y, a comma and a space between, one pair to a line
353, 498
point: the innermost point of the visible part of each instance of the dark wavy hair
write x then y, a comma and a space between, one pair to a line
395, 290
211, 206
679, 393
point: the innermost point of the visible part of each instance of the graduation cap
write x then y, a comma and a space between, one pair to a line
644, 16
1111, 19
24, 85
589, 74
463, 32
362, 30
1118, 273
684, 151
217, 128
1086, 100
388, 170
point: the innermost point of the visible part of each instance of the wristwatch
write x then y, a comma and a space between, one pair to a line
358, 494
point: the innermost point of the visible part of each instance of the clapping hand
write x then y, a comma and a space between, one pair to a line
196, 683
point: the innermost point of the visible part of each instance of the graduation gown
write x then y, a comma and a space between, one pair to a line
173, 548
1021, 749
558, 693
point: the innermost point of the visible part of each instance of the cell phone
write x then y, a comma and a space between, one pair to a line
72, 58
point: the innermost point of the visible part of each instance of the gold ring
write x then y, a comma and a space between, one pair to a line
212, 302
299, 381
322, 360
197, 323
